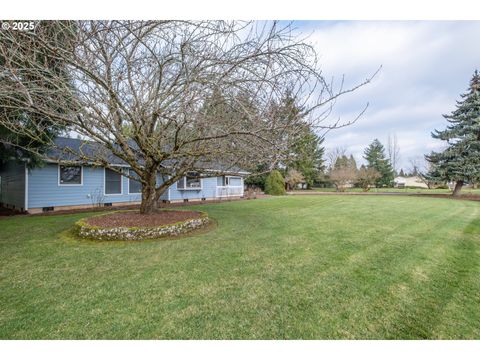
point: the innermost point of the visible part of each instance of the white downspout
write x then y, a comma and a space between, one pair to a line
168, 193
26, 188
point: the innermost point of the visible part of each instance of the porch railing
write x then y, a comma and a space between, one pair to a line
226, 191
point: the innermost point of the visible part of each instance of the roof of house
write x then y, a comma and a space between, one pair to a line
70, 149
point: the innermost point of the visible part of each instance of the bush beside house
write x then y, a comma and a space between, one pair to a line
275, 183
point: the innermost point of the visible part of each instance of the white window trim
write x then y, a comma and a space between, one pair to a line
184, 178
234, 177
105, 184
81, 175
128, 185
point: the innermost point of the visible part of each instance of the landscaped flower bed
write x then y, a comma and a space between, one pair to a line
130, 225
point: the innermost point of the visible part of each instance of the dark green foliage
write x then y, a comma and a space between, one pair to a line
376, 158
42, 129
305, 146
460, 161
275, 183
308, 156
344, 162
257, 180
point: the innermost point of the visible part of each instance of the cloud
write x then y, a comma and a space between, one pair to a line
425, 67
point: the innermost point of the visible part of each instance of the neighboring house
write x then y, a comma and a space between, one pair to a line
407, 181
59, 185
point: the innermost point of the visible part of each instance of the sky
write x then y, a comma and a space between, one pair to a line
426, 65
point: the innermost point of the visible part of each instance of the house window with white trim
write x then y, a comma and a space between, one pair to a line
113, 182
70, 175
191, 181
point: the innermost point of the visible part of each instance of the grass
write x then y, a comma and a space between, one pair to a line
308, 267
466, 191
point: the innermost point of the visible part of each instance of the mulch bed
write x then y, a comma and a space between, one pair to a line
9, 212
135, 219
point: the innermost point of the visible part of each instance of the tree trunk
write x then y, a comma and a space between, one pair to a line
458, 188
149, 203
149, 196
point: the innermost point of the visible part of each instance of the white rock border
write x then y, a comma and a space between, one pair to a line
87, 231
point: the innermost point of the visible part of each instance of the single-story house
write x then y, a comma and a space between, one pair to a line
409, 181
62, 185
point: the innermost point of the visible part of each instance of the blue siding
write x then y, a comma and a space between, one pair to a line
12, 191
209, 190
160, 180
43, 188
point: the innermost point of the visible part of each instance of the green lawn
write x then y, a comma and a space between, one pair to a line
466, 191
309, 267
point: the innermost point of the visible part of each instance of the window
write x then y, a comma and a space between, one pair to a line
134, 186
113, 182
190, 182
231, 181
69, 175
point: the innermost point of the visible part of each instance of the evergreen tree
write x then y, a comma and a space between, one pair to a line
258, 180
341, 163
41, 128
344, 162
402, 174
275, 183
304, 145
352, 163
376, 158
460, 161
307, 155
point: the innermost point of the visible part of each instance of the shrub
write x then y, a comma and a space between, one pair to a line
275, 184
294, 178
367, 177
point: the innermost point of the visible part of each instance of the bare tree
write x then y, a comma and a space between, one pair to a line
393, 151
366, 177
420, 167
293, 178
143, 92
343, 177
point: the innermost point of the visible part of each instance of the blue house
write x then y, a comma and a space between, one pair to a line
62, 185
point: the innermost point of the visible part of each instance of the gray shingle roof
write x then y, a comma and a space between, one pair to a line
69, 149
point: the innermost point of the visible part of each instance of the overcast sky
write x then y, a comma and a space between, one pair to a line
425, 67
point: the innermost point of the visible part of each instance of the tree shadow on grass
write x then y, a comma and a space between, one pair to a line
449, 280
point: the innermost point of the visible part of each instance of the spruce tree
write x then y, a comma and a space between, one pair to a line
460, 161
376, 158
